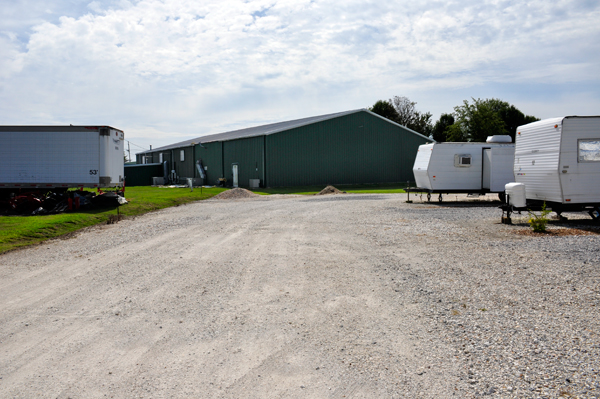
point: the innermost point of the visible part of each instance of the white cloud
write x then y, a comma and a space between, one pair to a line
195, 68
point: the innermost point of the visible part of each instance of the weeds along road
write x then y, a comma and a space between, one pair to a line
281, 296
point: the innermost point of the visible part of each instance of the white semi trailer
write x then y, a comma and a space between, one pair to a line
61, 157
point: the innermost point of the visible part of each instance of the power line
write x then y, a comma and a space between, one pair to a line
139, 146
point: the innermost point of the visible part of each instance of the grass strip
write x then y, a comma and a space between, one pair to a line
19, 231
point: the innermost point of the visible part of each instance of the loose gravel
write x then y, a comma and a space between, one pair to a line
235, 193
321, 296
330, 190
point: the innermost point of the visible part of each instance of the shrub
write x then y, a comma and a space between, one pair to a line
538, 222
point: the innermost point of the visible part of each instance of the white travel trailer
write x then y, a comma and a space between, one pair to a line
474, 168
558, 161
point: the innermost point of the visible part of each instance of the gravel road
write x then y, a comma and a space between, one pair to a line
357, 296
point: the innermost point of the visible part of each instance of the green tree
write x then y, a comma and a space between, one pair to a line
513, 118
477, 121
385, 109
403, 111
483, 118
421, 124
407, 112
440, 130
411, 118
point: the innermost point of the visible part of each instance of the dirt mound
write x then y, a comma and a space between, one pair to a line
330, 190
236, 193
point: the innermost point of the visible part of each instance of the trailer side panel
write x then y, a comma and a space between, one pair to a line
503, 158
579, 168
448, 174
420, 168
67, 156
537, 153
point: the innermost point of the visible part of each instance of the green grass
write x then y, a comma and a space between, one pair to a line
19, 231
356, 188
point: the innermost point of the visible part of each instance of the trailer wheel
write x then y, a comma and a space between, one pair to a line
428, 197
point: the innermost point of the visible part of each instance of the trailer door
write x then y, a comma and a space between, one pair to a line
486, 177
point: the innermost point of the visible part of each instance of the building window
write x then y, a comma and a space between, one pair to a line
182, 155
160, 158
588, 150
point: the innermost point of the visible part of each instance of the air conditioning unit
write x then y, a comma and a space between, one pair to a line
254, 183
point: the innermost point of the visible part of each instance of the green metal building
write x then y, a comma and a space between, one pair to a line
141, 175
353, 147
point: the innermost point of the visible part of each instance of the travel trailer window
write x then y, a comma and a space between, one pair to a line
589, 150
462, 160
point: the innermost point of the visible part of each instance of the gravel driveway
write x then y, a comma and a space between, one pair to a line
357, 296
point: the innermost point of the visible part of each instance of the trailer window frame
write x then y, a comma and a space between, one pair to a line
593, 148
459, 160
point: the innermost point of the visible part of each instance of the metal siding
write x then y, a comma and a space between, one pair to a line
111, 157
435, 169
141, 175
211, 156
256, 131
503, 160
185, 168
58, 157
421, 166
581, 181
537, 151
351, 149
248, 155
167, 157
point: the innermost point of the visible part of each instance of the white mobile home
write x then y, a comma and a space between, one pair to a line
558, 161
465, 167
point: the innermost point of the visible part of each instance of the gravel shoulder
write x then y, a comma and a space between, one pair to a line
303, 296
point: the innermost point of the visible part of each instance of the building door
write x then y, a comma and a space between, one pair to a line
486, 178
234, 170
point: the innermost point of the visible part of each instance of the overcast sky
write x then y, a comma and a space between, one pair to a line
168, 70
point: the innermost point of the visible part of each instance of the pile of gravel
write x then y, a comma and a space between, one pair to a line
330, 190
236, 193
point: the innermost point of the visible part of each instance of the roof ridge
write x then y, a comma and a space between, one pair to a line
254, 131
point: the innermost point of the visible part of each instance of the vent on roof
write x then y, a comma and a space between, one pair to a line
499, 138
